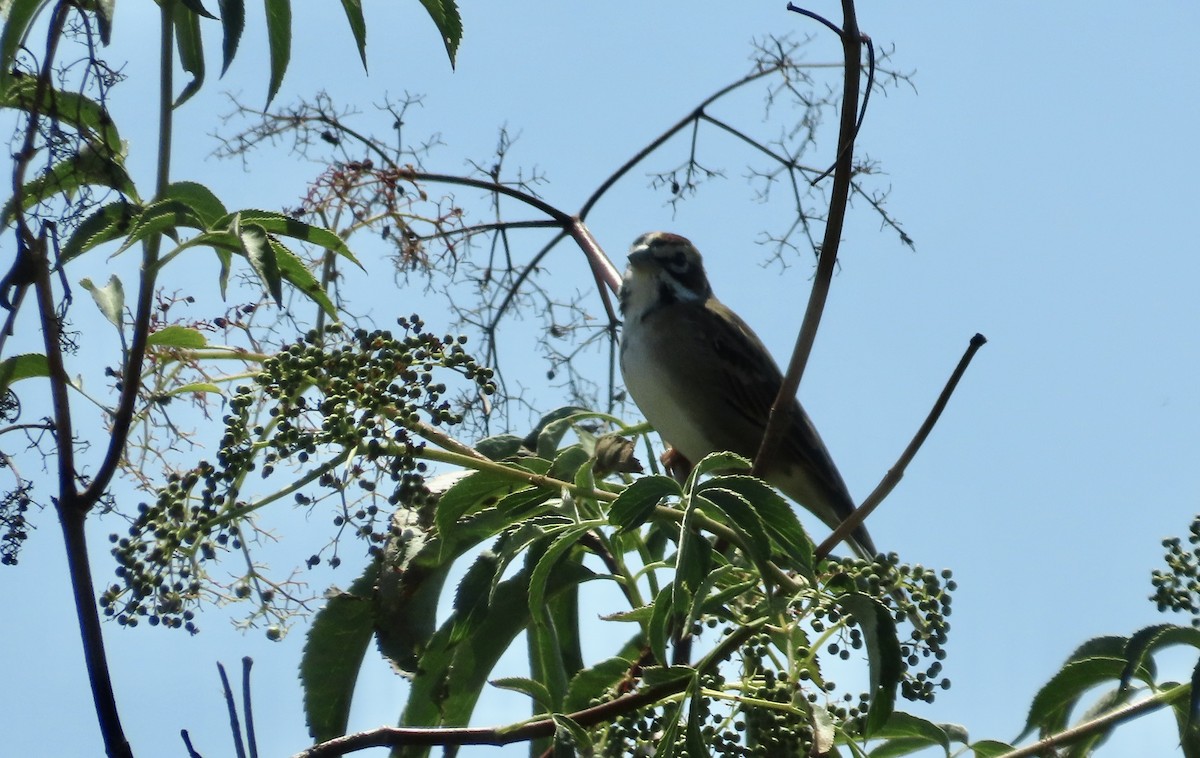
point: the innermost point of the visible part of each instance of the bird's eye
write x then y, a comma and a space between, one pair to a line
678, 261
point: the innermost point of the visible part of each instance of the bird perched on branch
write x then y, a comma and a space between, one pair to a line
706, 382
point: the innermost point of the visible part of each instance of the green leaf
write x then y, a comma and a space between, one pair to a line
659, 627
197, 7
551, 428
904, 733
183, 337
19, 15
883, 654
82, 169
535, 690
18, 367
776, 515
90, 118
333, 655
742, 516
163, 216
499, 447
594, 682
196, 387
279, 40
546, 564
295, 273
1052, 705
258, 250
233, 22
410, 585
470, 495
990, 748
358, 26
1145, 642
110, 299
280, 225
636, 502
191, 46
445, 15
570, 739
568, 462
107, 223
104, 17
206, 206
462, 653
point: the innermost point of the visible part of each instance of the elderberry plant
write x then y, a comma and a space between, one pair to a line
343, 414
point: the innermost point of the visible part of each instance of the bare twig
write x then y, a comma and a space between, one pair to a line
896, 472
827, 262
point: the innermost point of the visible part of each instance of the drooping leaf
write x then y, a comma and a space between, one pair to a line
197, 7
333, 655
196, 387
883, 654
233, 22
358, 27
283, 226
110, 299
449, 23
295, 273
18, 16
279, 41
191, 46
182, 337
258, 250
1145, 642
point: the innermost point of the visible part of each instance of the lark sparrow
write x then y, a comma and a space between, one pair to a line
706, 382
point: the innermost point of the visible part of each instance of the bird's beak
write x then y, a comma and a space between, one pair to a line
639, 256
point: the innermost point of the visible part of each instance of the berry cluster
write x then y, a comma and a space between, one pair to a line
1178, 588
914, 594
342, 411
13, 526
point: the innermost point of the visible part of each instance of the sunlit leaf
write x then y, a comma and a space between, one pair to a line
110, 299
182, 337
18, 367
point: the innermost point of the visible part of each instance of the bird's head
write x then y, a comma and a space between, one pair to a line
663, 268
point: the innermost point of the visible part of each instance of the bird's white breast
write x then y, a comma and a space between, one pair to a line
661, 393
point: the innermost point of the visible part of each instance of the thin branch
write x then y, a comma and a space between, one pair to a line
1101, 723
231, 706
530, 730
827, 262
896, 472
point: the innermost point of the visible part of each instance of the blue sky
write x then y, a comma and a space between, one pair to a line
1045, 167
